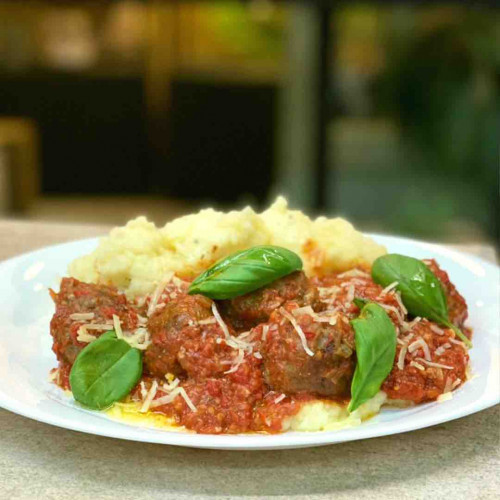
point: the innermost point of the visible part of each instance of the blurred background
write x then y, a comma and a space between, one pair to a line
385, 113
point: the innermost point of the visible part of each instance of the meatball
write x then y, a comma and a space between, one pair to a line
418, 381
289, 369
78, 297
175, 324
457, 307
249, 310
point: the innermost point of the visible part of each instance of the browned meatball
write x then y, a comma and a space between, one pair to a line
170, 329
457, 307
78, 297
249, 310
426, 383
289, 369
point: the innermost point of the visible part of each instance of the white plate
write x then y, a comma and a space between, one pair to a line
26, 356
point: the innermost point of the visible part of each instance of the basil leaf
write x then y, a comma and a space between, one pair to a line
105, 371
245, 271
359, 302
375, 338
421, 291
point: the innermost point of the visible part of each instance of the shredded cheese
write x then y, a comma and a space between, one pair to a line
163, 400
231, 341
350, 295
100, 326
353, 273
83, 336
460, 343
239, 359
140, 338
265, 331
220, 321
388, 288
303, 310
280, 398
149, 398
298, 329
158, 292
436, 329
441, 349
423, 344
397, 296
435, 365
174, 392
82, 316
401, 357
208, 321
417, 365
395, 311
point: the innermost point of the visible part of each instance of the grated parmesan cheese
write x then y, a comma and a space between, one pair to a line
353, 273
395, 311
83, 336
303, 310
208, 321
149, 398
140, 338
265, 331
436, 329
143, 389
350, 295
435, 365
401, 357
298, 329
417, 365
158, 292
231, 341
388, 288
423, 344
100, 326
460, 343
441, 349
82, 316
280, 398
220, 321
239, 359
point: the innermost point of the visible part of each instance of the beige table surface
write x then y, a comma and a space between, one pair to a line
455, 460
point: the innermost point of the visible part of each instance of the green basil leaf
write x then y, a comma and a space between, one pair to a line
375, 338
359, 302
245, 271
421, 291
105, 371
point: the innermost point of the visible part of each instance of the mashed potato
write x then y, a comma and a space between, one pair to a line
324, 415
135, 257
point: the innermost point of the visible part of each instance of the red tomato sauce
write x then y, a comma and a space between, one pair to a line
276, 349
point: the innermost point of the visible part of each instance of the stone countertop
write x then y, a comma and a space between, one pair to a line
458, 459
